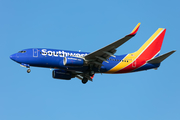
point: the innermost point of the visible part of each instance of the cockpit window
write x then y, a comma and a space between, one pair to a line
21, 51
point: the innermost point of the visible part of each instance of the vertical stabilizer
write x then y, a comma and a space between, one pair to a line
152, 46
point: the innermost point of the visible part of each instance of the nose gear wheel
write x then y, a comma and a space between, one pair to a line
28, 70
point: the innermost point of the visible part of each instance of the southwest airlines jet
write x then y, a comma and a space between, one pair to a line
83, 65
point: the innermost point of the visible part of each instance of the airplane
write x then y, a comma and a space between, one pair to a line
83, 65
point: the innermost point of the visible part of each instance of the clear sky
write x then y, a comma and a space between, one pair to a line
87, 26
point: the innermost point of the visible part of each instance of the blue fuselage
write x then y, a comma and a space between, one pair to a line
53, 58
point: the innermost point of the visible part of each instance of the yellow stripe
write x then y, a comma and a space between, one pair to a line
149, 41
133, 56
122, 64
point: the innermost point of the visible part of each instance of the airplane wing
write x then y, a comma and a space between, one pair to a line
98, 56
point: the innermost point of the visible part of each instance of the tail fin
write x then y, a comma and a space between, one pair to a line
152, 47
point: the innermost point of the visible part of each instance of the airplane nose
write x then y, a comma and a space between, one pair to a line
13, 57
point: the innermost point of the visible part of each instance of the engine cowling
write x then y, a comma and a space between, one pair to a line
62, 74
73, 61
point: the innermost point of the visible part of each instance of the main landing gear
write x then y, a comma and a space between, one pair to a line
89, 74
84, 80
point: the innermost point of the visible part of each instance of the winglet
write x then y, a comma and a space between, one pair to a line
135, 30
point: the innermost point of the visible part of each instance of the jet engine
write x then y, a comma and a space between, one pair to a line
62, 74
73, 61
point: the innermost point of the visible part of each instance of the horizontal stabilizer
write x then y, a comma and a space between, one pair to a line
160, 58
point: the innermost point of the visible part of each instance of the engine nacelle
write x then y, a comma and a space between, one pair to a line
73, 61
61, 74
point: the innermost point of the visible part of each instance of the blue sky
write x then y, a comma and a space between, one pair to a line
88, 26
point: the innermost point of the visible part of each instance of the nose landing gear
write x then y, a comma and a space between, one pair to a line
26, 66
28, 70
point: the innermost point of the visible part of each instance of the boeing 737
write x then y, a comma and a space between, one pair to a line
83, 65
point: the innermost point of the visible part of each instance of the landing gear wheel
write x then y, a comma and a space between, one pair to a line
28, 70
91, 73
84, 80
